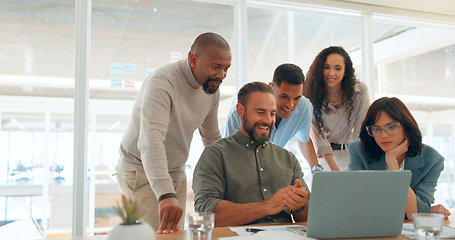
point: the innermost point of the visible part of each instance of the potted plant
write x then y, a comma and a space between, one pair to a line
131, 211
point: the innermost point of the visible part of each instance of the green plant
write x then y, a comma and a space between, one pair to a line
130, 211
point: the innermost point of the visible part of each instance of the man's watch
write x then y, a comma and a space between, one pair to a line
316, 167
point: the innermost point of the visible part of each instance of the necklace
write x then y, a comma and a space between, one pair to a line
335, 103
337, 95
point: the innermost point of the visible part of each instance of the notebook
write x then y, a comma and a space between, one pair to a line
354, 204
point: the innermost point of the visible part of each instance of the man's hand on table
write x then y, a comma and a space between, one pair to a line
170, 214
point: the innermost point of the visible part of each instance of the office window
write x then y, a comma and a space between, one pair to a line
278, 36
37, 77
31, 67
430, 73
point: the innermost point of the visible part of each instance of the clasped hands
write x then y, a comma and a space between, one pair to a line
294, 197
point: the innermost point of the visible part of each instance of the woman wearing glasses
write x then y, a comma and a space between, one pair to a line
390, 139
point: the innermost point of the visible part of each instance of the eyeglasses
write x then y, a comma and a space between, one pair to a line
390, 129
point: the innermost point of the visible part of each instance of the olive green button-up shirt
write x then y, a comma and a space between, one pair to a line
237, 170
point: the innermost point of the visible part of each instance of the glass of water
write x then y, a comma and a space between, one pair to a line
200, 225
428, 226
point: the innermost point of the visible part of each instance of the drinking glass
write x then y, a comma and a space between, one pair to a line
428, 226
200, 225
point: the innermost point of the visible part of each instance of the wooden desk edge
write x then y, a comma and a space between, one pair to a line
220, 232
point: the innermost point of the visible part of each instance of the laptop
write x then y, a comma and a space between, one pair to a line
357, 204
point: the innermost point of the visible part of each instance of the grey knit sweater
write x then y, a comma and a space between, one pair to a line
170, 107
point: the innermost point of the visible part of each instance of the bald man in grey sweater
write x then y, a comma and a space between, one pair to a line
173, 102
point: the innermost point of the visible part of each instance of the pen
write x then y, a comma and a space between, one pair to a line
254, 230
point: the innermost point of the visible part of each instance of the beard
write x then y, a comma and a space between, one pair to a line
206, 88
249, 128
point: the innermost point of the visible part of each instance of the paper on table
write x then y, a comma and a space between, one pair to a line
270, 235
241, 231
409, 232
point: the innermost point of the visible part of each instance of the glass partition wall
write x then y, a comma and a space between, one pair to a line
129, 40
37, 60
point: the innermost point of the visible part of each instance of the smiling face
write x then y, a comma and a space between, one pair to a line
385, 141
258, 116
287, 98
210, 67
333, 70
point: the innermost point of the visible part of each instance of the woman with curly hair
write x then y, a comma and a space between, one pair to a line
339, 105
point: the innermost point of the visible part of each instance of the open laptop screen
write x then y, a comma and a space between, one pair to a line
353, 204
